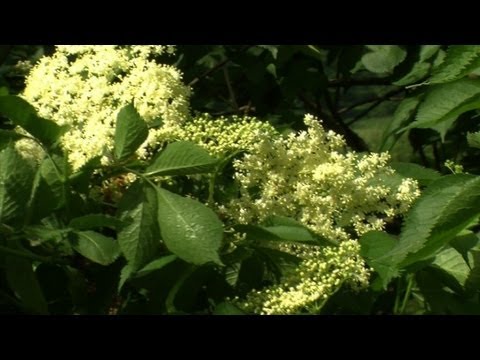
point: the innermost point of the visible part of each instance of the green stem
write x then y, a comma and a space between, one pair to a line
397, 296
407, 293
142, 176
169, 302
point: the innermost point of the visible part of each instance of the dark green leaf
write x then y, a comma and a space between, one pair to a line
139, 238
383, 58
459, 62
16, 180
155, 265
182, 158
130, 132
423, 175
95, 247
451, 261
190, 230
374, 245
444, 103
402, 116
21, 113
24, 283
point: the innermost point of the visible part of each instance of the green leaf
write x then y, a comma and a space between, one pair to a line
130, 132
93, 221
423, 175
24, 283
21, 113
155, 265
190, 230
473, 281
427, 51
226, 308
402, 116
383, 58
451, 261
16, 180
182, 158
473, 139
125, 274
445, 208
419, 71
95, 247
277, 233
374, 245
444, 103
139, 238
460, 61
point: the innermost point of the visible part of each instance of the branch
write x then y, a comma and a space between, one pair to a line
216, 67
357, 82
378, 100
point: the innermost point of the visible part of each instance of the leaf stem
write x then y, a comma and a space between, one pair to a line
407, 293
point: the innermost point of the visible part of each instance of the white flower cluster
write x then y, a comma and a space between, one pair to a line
321, 272
338, 194
312, 178
85, 86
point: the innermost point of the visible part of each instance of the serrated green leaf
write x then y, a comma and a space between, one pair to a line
130, 132
93, 221
139, 238
419, 71
451, 261
460, 60
16, 181
125, 274
189, 229
95, 247
473, 139
155, 265
383, 58
21, 113
447, 206
445, 102
182, 158
427, 51
374, 246
423, 175
402, 116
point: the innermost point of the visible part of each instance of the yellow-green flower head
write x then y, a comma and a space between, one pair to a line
224, 135
85, 86
340, 195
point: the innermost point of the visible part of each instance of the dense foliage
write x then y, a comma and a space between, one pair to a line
268, 179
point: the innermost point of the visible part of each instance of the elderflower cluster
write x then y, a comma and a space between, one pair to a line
313, 179
85, 86
338, 194
224, 135
321, 272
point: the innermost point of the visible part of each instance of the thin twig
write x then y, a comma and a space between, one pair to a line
215, 68
357, 82
377, 102
230, 89
371, 99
